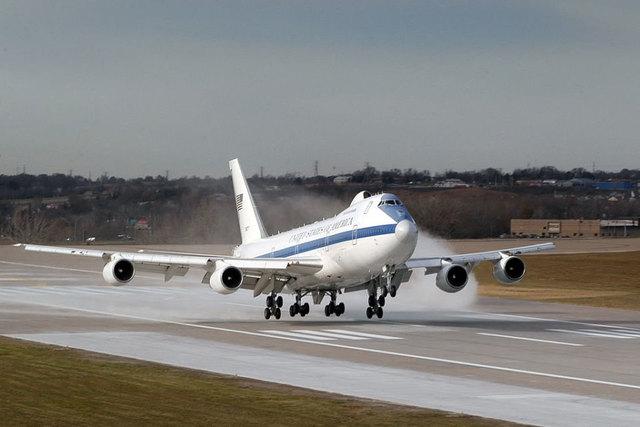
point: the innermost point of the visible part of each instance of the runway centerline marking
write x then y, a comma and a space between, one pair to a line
530, 339
349, 347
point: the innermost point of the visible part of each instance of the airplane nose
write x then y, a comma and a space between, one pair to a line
406, 231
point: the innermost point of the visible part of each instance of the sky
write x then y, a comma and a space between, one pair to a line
135, 88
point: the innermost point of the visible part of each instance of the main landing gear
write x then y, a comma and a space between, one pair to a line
299, 308
274, 303
332, 307
375, 304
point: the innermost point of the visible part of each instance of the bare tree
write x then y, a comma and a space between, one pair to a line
28, 226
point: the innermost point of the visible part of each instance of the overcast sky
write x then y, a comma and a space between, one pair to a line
137, 87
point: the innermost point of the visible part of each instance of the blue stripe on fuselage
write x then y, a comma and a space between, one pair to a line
345, 236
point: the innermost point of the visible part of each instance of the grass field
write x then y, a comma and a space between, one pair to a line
598, 279
46, 385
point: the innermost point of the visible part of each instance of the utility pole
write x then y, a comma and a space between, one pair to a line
261, 172
315, 168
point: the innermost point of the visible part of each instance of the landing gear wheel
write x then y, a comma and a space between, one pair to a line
340, 309
269, 301
279, 302
369, 312
277, 313
392, 291
379, 312
304, 310
372, 300
327, 310
385, 291
267, 313
381, 301
292, 310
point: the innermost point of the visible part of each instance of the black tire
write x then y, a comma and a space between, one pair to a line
267, 313
306, 308
341, 308
392, 291
277, 313
297, 308
385, 291
381, 301
372, 300
279, 302
379, 312
369, 312
269, 301
327, 310
292, 311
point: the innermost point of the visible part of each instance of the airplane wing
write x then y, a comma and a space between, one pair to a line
261, 274
436, 263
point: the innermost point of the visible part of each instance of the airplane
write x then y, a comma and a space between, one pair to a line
366, 247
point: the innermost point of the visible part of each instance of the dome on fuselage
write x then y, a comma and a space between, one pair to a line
360, 197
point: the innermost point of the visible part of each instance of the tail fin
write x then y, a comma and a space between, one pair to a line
251, 228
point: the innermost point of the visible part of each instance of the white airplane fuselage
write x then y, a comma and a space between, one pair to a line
364, 241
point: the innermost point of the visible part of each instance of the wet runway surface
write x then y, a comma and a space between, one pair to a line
530, 362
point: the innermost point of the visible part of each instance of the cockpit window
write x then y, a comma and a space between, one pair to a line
390, 202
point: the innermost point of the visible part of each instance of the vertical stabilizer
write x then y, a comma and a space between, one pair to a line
251, 228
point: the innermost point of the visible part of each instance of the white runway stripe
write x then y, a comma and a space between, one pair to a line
330, 335
591, 334
35, 290
362, 334
612, 332
77, 290
297, 335
155, 291
486, 334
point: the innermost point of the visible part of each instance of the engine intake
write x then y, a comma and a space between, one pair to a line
509, 270
226, 279
118, 272
452, 278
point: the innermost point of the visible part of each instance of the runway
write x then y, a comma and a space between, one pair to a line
521, 361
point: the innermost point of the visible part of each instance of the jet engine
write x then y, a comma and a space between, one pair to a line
118, 272
226, 279
509, 270
452, 278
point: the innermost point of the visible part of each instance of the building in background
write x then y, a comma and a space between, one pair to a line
568, 228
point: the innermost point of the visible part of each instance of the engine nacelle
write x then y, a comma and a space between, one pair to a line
509, 270
118, 272
226, 279
452, 278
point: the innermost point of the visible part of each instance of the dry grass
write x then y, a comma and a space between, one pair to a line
47, 385
599, 279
